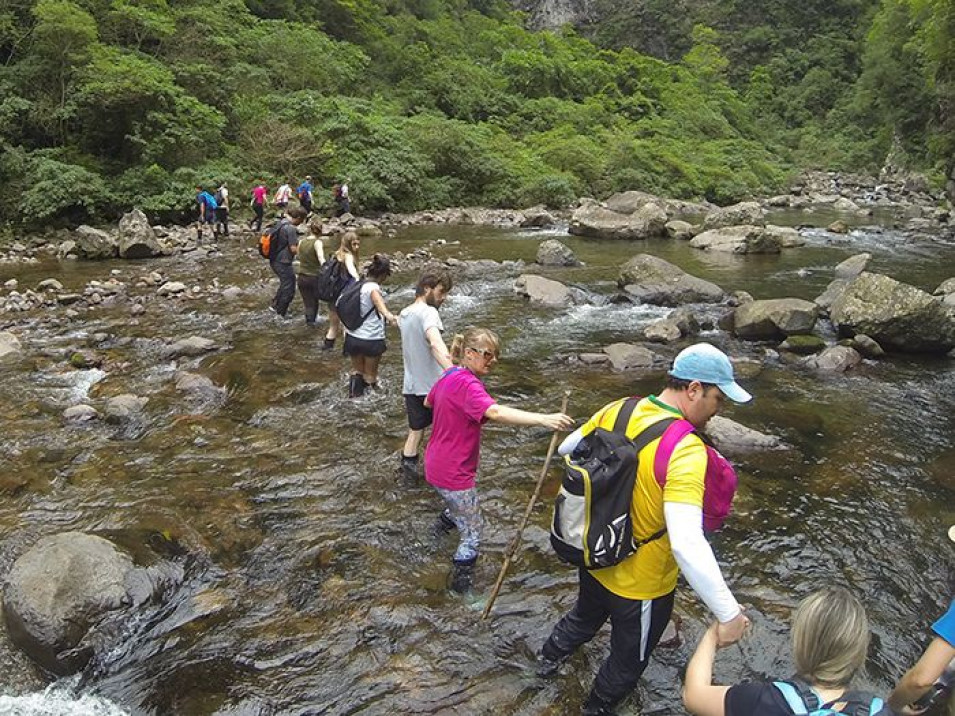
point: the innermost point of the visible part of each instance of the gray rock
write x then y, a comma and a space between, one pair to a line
230, 293
195, 383
629, 202
744, 239
80, 413
94, 244
597, 222
803, 345
780, 200
9, 345
57, 590
543, 291
835, 359
945, 288
896, 315
137, 239
733, 439
555, 253
685, 318
626, 356
787, 237
774, 318
49, 283
663, 331
11, 284
653, 280
171, 288
680, 230
866, 346
66, 249
838, 227
744, 213
191, 346
843, 204
852, 266
537, 217
123, 407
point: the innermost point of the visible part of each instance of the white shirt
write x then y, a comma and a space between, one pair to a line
283, 194
421, 369
373, 329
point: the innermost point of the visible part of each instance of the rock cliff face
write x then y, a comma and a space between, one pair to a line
551, 14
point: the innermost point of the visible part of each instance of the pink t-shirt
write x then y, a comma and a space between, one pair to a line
259, 194
459, 401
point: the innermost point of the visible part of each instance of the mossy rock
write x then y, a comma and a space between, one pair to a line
803, 345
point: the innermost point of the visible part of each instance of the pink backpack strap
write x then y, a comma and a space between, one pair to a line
678, 430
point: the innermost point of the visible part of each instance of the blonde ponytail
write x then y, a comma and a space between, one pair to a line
457, 347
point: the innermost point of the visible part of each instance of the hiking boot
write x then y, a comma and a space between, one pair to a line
462, 575
597, 705
409, 468
356, 386
328, 344
547, 668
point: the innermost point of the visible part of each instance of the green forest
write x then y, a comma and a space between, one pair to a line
110, 104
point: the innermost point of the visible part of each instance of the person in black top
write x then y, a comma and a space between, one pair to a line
829, 639
285, 246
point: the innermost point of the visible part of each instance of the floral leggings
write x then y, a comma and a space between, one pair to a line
465, 511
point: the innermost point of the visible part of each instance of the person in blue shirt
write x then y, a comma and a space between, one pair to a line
937, 660
207, 211
304, 192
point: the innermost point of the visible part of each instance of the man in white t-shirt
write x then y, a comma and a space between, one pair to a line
282, 197
425, 355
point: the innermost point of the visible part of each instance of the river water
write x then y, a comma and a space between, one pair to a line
313, 584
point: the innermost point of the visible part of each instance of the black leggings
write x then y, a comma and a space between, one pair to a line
635, 628
308, 287
259, 210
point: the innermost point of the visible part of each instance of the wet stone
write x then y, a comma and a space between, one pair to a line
80, 413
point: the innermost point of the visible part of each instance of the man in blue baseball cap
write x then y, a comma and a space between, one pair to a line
637, 594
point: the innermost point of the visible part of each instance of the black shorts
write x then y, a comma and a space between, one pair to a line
419, 417
209, 218
361, 347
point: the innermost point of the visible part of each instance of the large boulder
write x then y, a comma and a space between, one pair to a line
747, 212
744, 239
536, 217
650, 279
945, 287
787, 236
774, 318
57, 590
595, 221
626, 356
896, 315
543, 291
94, 244
680, 230
629, 202
9, 345
555, 253
137, 240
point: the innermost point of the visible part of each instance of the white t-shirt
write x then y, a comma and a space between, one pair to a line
421, 369
373, 329
283, 194
344, 191
224, 192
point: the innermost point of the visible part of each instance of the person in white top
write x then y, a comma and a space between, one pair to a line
282, 196
366, 344
426, 356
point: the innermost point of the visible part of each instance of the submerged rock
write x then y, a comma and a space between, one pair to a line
626, 356
653, 280
191, 346
124, 407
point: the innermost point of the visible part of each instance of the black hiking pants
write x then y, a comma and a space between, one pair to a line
285, 294
308, 287
259, 210
635, 629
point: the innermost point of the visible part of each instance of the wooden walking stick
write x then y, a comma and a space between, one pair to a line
515, 543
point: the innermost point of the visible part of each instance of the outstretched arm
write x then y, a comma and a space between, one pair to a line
919, 679
700, 696
514, 416
438, 348
379, 304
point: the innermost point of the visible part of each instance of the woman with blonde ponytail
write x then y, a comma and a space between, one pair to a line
461, 406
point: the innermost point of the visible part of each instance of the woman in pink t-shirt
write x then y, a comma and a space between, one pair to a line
461, 406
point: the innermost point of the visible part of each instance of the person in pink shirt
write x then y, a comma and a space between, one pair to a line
461, 406
260, 197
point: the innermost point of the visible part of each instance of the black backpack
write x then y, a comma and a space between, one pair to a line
332, 280
269, 240
592, 527
220, 199
348, 306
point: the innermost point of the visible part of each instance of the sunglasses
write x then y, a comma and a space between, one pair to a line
488, 355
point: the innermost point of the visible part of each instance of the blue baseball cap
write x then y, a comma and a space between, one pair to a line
708, 364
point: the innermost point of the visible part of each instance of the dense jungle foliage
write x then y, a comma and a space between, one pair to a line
106, 104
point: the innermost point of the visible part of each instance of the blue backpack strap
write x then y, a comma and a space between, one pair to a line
791, 694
